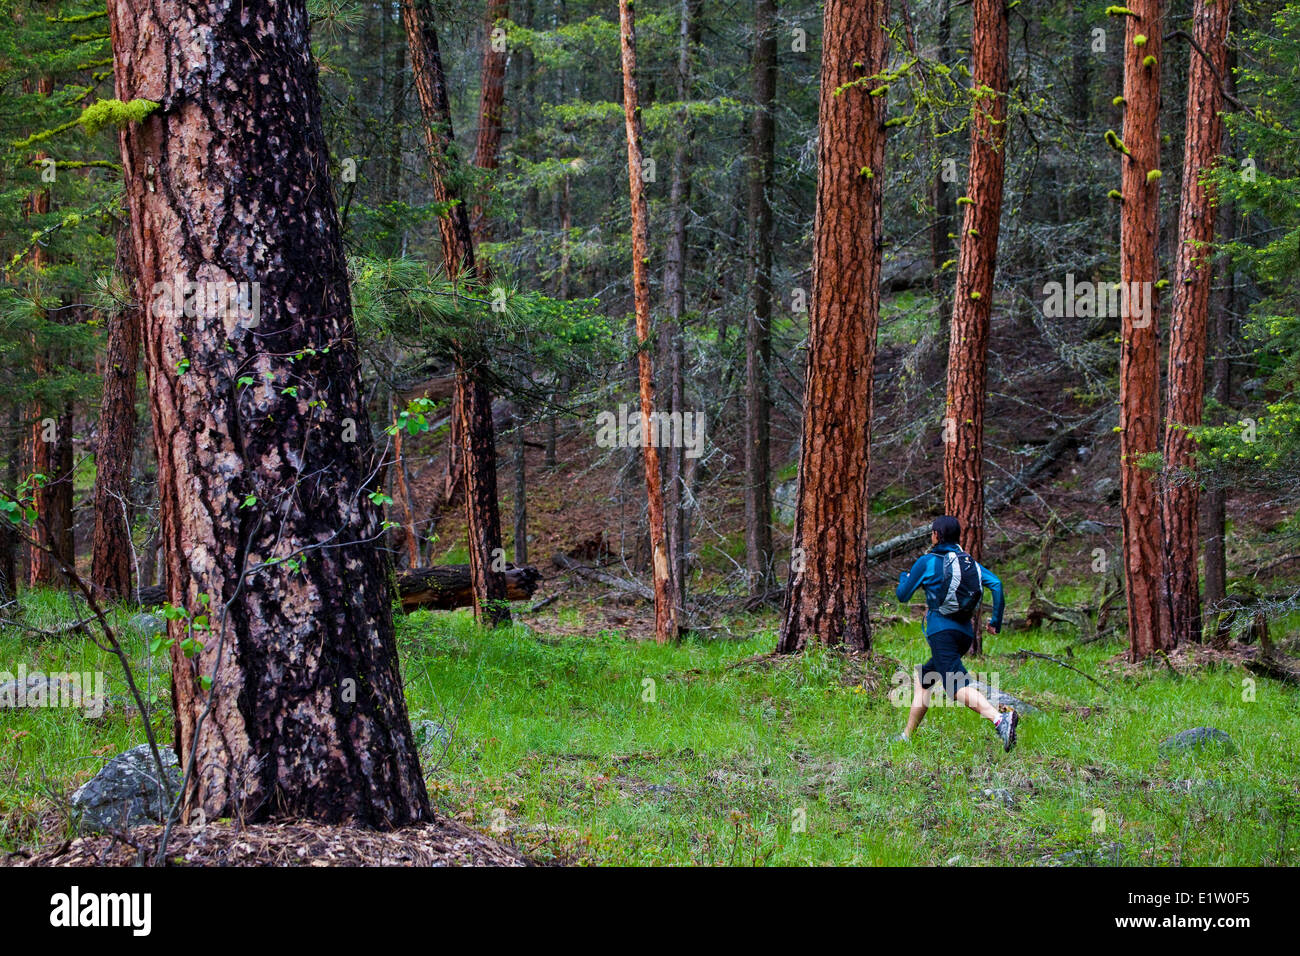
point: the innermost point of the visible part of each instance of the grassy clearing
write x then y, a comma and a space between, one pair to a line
599, 750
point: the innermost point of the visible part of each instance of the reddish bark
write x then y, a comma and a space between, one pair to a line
977, 260
666, 624
472, 405
1193, 277
827, 597
1139, 355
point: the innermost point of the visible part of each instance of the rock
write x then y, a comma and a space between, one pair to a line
127, 792
1195, 739
1000, 698
1001, 796
784, 497
147, 624
1107, 489
1089, 527
429, 735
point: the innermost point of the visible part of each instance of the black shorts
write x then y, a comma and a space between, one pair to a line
944, 669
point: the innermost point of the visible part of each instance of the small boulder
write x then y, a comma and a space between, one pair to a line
147, 624
1197, 738
785, 497
127, 792
999, 698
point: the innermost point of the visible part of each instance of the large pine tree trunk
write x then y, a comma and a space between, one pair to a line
1139, 355
968, 345
758, 327
471, 405
827, 597
110, 562
491, 100
268, 531
1193, 278
666, 625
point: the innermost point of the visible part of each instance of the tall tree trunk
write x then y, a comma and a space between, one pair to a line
666, 625
42, 456
270, 536
1193, 279
827, 597
111, 548
968, 345
491, 100
8, 535
521, 497
941, 190
758, 327
471, 405
671, 345
1139, 355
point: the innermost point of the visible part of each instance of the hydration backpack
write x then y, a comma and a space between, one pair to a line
963, 588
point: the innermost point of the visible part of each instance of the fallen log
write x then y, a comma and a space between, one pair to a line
448, 586
441, 588
1002, 494
566, 563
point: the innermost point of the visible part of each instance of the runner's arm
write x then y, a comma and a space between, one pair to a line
994, 584
909, 581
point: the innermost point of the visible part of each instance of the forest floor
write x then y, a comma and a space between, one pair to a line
581, 745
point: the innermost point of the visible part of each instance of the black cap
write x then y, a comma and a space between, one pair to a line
948, 528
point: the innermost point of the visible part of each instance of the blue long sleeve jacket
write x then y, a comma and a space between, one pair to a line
927, 573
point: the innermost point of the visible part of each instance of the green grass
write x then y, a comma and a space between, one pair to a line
599, 750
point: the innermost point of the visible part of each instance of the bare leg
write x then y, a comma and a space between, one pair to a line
920, 699
976, 701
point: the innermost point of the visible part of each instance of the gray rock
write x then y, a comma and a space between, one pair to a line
1197, 738
147, 624
1089, 527
999, 698
784, 497
127, 792
1106, 488
1001, 796
430, 735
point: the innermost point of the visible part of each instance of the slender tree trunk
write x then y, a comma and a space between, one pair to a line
671, 345
1216, 563
111, 549
491, 101
1139, 355
293, 707
403, 489
1193, 279
62, 498
43, 564
521, 497
472, 405
968, 345
758, 328
827, 597
8, 537
666, 624
941, 190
